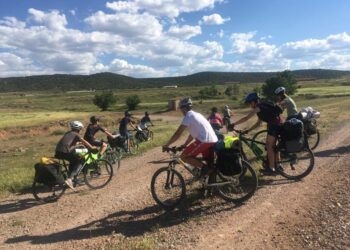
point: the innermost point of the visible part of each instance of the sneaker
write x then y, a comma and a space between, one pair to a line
69, 183
267, 171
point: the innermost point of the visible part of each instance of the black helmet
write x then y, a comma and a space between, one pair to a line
146, 113
94, 119
214, 110
185, 103
126, 113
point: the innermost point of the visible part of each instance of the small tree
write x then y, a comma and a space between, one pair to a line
232, 90
284, 79
132, 102
104, 100
208, 92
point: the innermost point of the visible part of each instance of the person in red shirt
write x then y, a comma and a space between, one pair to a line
215, 119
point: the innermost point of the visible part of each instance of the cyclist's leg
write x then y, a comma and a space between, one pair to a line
103, 148
196, 148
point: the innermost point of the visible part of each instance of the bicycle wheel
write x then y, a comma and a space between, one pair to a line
240, 187
98, 174
114, 156
260, 136
314, 140
297, 165
45, 193
133, 146
168, 188
150, 135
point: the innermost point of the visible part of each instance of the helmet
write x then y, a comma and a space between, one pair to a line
126, 113
280, 90
226, 107
146, 113
94, 119
214, 110
253, 96
76, 125
185, 103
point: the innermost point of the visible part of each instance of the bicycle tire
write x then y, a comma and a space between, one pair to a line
260, 136
98, 174
314, 143
134, 146
45, 194
150, 135
170, 174
301, 175
240, 179
114, 156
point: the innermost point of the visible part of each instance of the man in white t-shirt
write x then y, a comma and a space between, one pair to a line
200, 131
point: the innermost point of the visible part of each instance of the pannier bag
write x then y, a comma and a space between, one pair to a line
292, 138
49, 175
310, 126
229, 160
118, 141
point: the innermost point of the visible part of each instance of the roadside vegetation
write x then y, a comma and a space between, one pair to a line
32, 123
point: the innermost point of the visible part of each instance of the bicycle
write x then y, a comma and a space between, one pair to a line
94, 172
114, 155
312, 138
295, 166
132, 143
168, 185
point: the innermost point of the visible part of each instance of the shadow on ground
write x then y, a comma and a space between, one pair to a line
129, 223
334, 152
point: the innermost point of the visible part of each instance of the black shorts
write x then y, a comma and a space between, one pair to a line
274, 129
96, 143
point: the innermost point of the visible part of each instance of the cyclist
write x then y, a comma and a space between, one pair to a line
200, 131
286, 103
145, 121
215, 119
123, 127
268, 113
92, 129
66, 146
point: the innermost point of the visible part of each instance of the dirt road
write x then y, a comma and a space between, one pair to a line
312, 213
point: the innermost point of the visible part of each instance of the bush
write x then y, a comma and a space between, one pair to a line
104, 100
284, 79
132, 102
208, 92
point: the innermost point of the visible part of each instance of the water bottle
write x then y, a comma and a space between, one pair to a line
256, 150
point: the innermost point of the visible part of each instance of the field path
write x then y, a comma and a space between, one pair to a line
312, 213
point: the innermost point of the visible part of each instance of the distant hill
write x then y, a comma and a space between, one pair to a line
114, 81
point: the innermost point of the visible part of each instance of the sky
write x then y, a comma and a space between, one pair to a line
157, 38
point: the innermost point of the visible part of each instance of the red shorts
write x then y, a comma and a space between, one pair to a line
195, 148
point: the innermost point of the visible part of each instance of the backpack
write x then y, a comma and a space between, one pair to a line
310, 126
49, 175
268, 111
292, 139
119, 141
229, 159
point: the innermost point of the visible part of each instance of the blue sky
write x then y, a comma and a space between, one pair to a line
152, 38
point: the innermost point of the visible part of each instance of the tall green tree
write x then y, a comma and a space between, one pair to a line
104, 100
132, 102
283, 79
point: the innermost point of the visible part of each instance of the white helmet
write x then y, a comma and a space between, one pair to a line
185, 103
226, 107
77, 125
280, 90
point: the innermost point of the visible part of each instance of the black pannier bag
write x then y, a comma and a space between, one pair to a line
229, 159
119, 141
49, 175
292, 139
310, 126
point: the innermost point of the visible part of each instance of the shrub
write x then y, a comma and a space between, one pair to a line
284, 79
132, 102
104, 100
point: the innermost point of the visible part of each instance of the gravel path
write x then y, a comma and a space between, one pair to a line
312, 213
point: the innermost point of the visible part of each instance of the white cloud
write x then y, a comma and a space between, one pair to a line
184, 32
72, 12
221, 33
123, 67
214, 19
12, 22
126, 24
168, 8
53, 20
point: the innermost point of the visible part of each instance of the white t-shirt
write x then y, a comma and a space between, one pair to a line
199, 127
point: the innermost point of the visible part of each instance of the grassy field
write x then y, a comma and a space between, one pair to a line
30, 124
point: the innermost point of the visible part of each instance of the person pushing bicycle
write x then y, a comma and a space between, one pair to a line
65, 149
201, 139
269, 113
